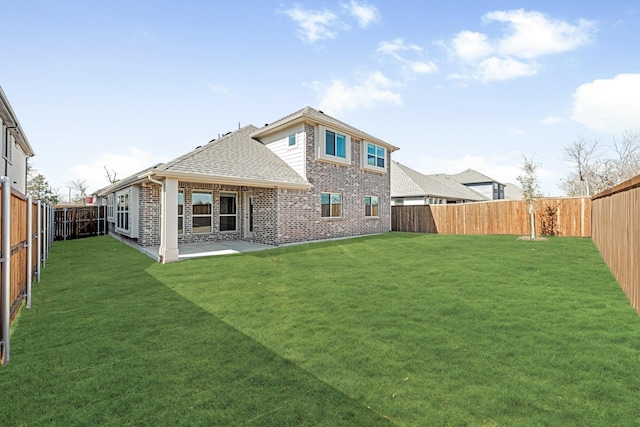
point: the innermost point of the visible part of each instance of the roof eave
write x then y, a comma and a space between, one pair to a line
302, 117
228, 180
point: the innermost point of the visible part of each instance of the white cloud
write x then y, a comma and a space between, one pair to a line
551, 120
315, 25
499, 69
418, 67
470, 46
373, 89
218, 89
365, 13
393, 47
398, 49
124, 164
609, 104
531, 34
526, 36
516, 131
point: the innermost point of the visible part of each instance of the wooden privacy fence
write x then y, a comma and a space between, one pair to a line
568, 216
616, 233
26, 235
80, 221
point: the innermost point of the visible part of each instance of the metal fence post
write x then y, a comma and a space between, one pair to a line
39, 227
6, 270
45, 236
29, 249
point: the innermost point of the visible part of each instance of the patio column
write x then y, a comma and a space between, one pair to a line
169, 221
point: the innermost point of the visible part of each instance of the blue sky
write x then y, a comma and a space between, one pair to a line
455, 85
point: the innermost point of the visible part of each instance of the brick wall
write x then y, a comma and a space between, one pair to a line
149, 215
299, 212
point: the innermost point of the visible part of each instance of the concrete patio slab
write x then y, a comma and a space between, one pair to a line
197, 250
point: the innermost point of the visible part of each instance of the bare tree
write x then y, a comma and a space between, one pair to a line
530, 190
581, 154
594, 173
79, 188
111, 174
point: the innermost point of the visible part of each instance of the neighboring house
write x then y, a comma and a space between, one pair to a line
410, 187
304, 177
512, 191
480, 183
15, 146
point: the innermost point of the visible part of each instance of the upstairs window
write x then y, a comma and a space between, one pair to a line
336, 144
292, 140
331, 205
374, 157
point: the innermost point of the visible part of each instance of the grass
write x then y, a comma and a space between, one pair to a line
399, 329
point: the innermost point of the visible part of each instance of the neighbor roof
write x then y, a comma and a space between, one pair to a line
471, 176
512, 191
316, 116
406, 182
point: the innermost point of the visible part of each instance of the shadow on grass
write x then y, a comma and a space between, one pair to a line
105, 343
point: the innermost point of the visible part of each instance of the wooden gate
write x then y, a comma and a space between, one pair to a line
80, 221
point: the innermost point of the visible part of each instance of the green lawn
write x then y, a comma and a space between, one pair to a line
399, 329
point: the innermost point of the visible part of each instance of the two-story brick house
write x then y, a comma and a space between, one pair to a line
307, 176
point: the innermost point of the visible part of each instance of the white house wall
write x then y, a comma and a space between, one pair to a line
18, 168
293, 156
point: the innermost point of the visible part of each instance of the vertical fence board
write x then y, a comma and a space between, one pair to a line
20, 235
572, 217
616, 233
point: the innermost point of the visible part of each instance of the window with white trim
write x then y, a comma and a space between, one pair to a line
228, 211
374, 156
122, 212
180, 211
371, 204
331, 205
334, 146
110, 205
202, 211
292, 140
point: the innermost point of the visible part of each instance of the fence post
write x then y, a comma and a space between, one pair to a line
39, 227
29, 249
6, 270
64, 231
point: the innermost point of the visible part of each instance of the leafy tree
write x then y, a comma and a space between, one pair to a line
530, 190
39, 189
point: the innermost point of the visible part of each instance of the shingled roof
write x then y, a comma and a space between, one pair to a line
406, 182
236, 156
471, 176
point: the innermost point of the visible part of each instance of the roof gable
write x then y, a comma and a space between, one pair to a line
235, 155
471, 176
310, 114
